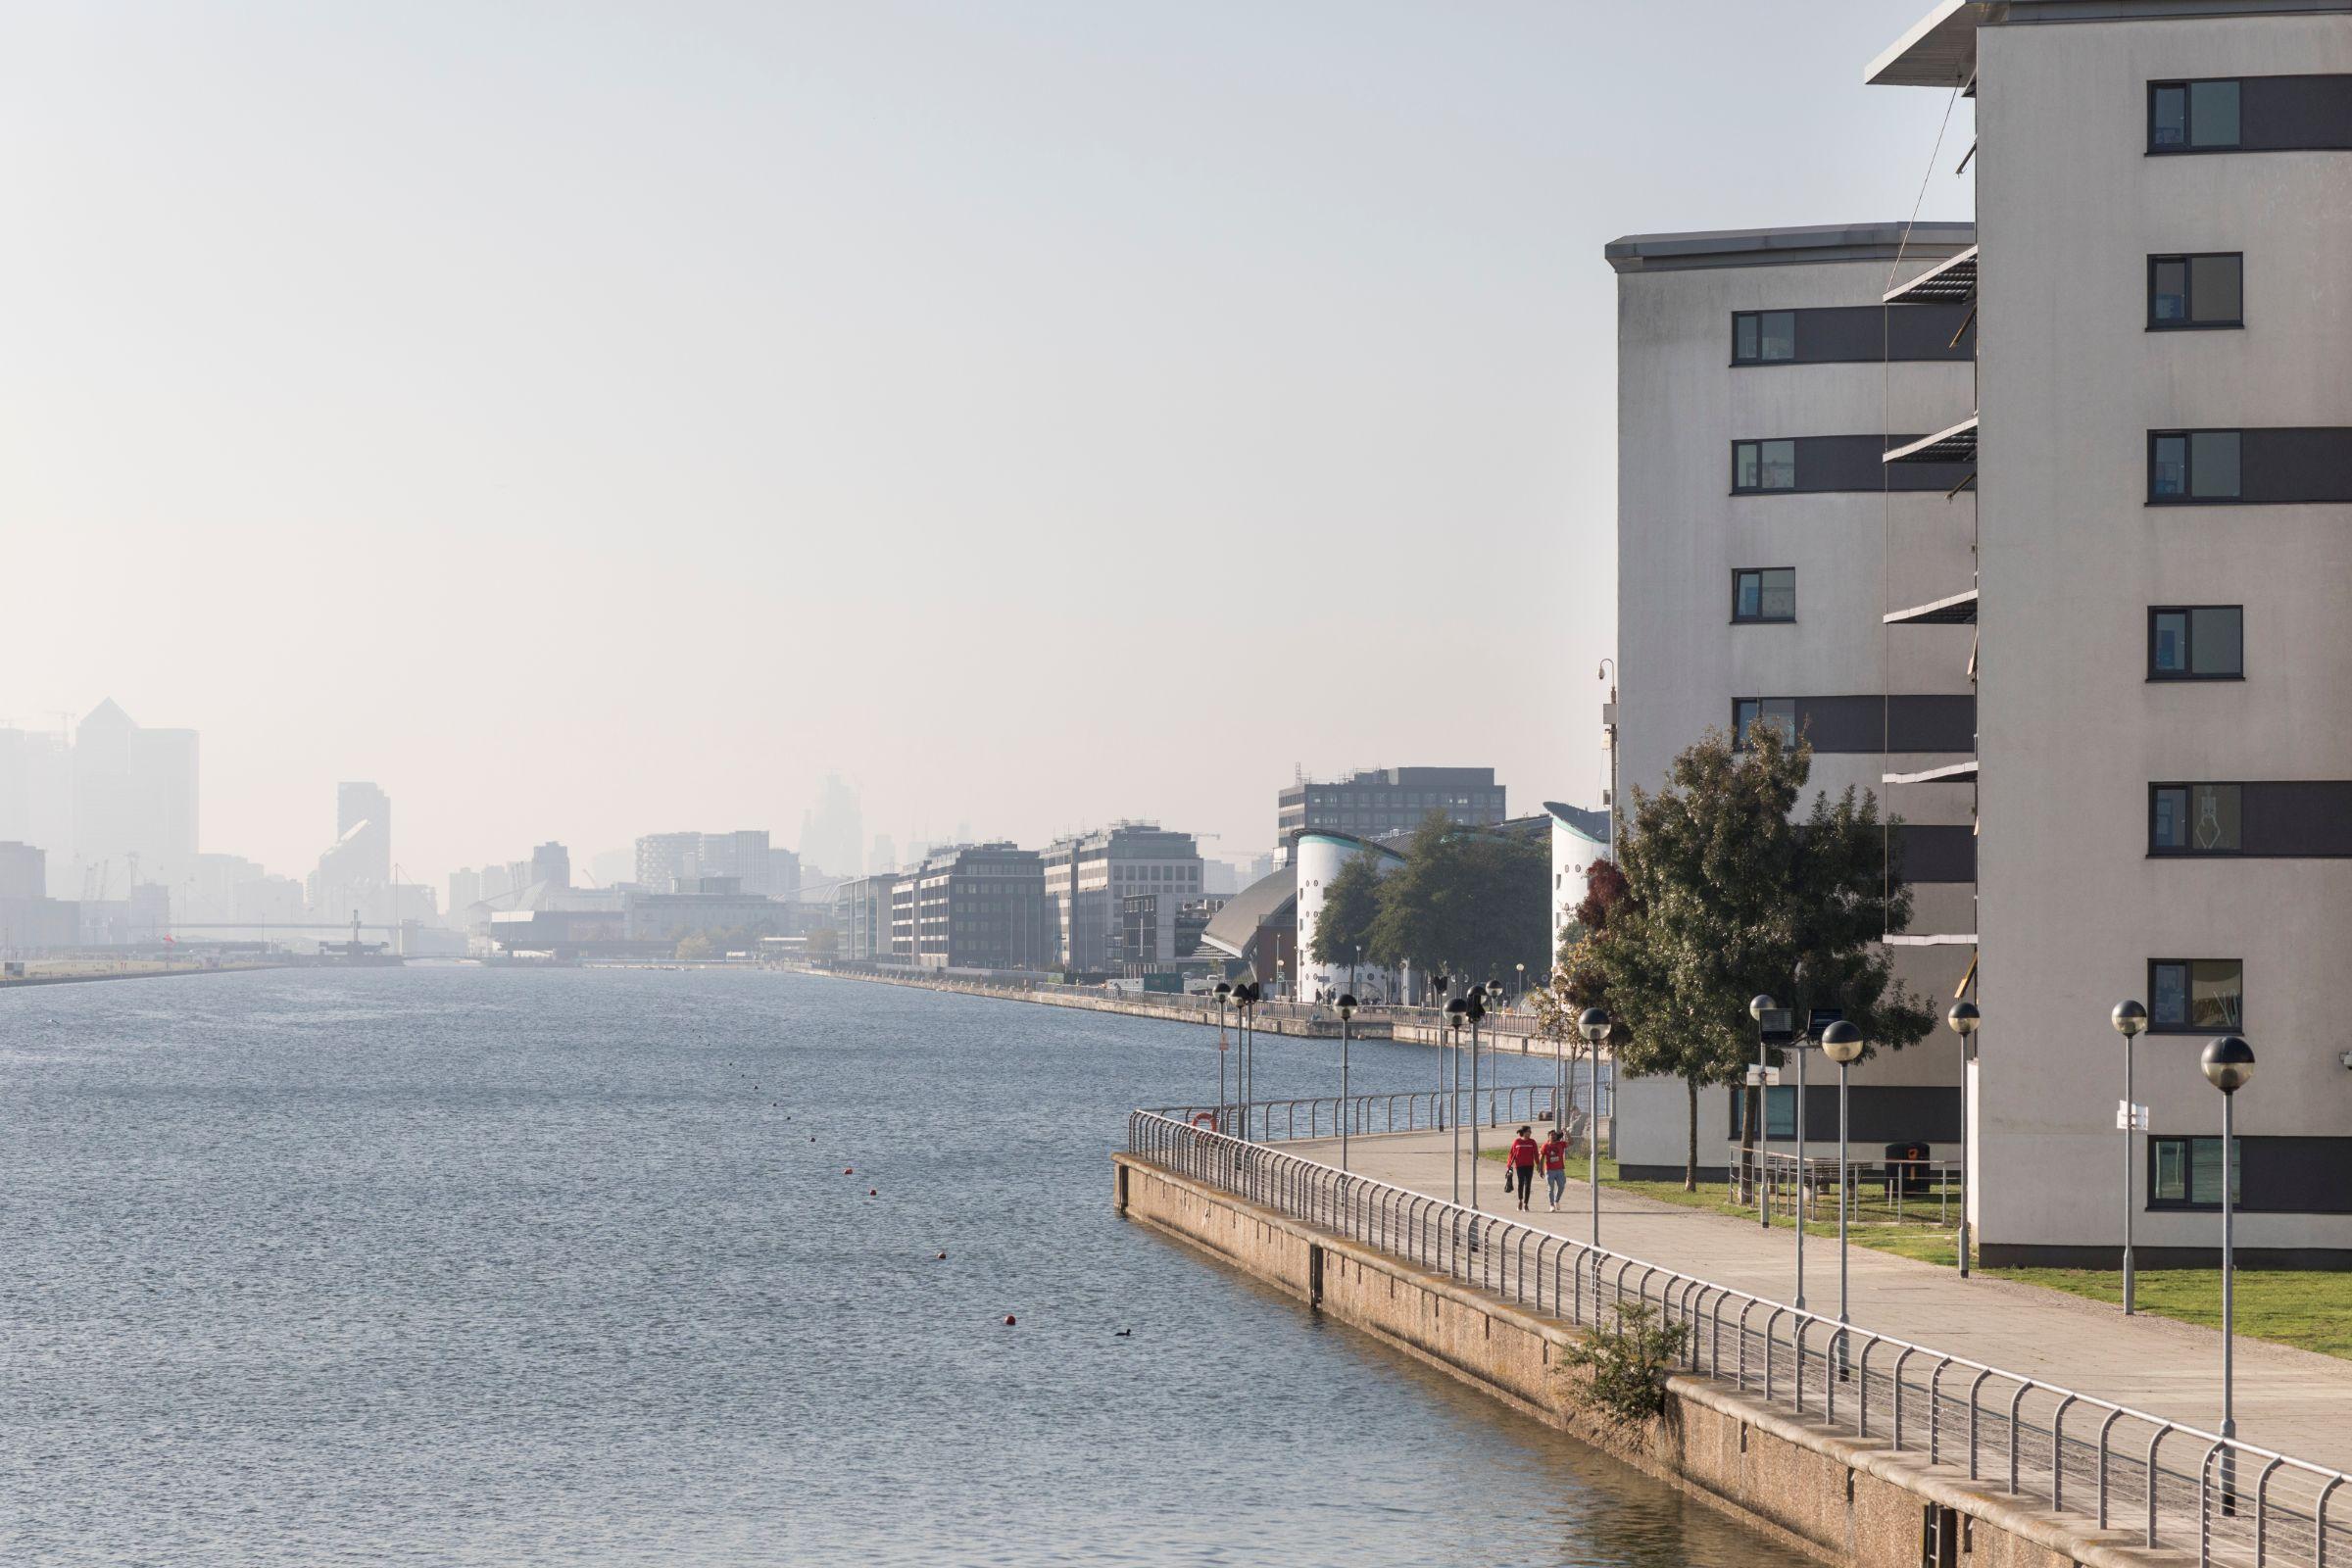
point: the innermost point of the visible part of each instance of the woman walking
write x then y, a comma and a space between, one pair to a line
1522, 1165
1555, 1166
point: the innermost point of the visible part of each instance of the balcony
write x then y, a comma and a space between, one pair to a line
1956, 610
1957, 444
1951, 281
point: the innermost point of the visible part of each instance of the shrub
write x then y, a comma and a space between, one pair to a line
1628, 1361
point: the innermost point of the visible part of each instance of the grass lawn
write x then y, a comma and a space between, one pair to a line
2309, 1309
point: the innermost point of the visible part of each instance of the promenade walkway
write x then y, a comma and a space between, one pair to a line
2295, 1401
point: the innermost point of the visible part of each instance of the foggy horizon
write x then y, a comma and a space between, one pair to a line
588, 425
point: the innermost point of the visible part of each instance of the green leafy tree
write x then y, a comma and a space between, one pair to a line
1727, 895
1351, 904
1577, 980
1469, 900
696, 945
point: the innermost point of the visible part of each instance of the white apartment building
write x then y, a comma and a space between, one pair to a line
2164, 198
1763, 542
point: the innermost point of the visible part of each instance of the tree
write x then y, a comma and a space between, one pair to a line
1467, 900
696, 945
1351, 904
824, 944
1727, 896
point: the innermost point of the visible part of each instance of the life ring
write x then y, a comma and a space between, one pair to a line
1205, 1119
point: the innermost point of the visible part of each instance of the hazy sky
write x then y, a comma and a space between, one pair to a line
592, 419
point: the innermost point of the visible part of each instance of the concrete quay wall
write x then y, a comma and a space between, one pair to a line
1846, 1502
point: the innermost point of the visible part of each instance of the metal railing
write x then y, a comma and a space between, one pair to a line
2114, 1466
1265, 1122
1898, 1191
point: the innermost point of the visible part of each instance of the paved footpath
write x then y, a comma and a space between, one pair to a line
2295, 1401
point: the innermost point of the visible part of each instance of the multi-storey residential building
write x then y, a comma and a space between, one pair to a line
1088, 875
1388, 800
2166, 521
861, 918
973, 907
1763, 539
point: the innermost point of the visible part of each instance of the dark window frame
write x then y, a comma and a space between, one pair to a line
2189, 468
2188, 117
2189, 674
2189, 1163
2189, 298
1738, 620
2192, 1027
1757, 316
1740, 731
1760, 443
2157, 852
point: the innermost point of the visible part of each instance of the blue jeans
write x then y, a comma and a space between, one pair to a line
1558, 1182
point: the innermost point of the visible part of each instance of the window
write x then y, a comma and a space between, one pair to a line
1764, 593
1763, 465
2188, 995
2197, 291
2186, 1172
2198, 642
1749, 711
2187, 466
1779, 1111
1763, 337
2192, 818
2192, 117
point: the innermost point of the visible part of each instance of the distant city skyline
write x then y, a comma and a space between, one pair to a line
1019, 411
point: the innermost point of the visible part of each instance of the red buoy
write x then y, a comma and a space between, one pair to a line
1008, 1320
847, 1171
873, 1191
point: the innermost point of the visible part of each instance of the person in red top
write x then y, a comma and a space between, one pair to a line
1522, 1163
1555, 1166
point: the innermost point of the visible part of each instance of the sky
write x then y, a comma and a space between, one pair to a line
588, 419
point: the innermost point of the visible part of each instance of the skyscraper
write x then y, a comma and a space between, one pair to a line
833, 835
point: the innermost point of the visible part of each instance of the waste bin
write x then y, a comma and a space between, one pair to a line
1907, 1169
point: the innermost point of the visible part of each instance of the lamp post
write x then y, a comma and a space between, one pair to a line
2129, 1019
1474, 1007
1245, 1002
1842, 1043
1755, 1130
1453, 1023
1224, 992
1347, 1012
1519, 996
1594, 1024
1436, 990
2229, 1064
1964, 1019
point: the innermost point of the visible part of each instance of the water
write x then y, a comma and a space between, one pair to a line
501, 1266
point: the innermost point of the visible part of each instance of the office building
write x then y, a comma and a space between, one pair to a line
672, 863
862, 910
2166, 495
354, 877
973, 907
1317, 857
551, 865
1763, 539
833, 832
1388, 800
1087, 876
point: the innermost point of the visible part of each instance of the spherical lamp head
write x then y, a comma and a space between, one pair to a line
1842, 1043
1594, 1024
1964, 1018
1454, 1012
1346, 1004
2228, 1063
1224, 990
1475, 1006
1759, 1005
2129, 1018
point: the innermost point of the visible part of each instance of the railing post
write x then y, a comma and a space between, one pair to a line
2150, 1478
2113, 1416
2058, 1454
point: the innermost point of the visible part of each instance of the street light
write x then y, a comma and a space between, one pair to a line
1842, 1043
1347, 1012
1436, 988
1594, 1024
1964, 1019
2229, 1064
1520, 995
1474, 1007
1757, 1128
1224, 992
1455, 1012
1244, 1002
2129, 1019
